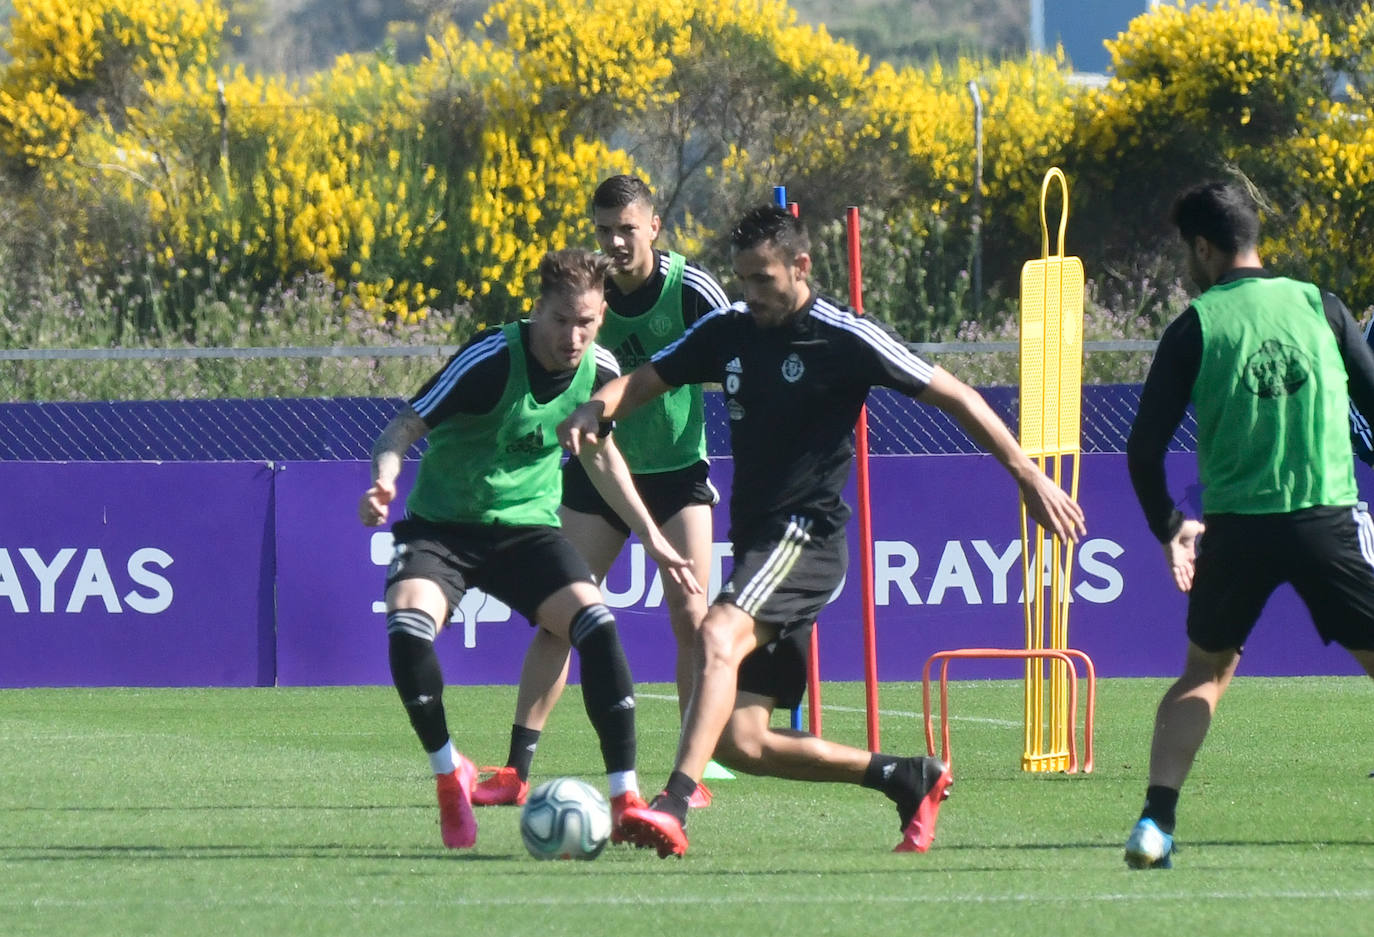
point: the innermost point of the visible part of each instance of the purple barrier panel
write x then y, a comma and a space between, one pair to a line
331, 571
136, 574
331, 625
948, 574
947, 571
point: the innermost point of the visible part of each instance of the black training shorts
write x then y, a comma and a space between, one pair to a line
1327, 553
520, 565
783, 573
779, 668
663, 493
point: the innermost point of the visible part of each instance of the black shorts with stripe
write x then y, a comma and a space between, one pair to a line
1326, 553
522, 565
784, 576
663, 493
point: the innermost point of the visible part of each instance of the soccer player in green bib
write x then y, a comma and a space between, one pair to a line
652, 297
1267, 362
483, 513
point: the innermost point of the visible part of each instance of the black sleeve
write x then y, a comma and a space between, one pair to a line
1359, 368
701, 293
471, 381
695, 357
1163, 402
887, 360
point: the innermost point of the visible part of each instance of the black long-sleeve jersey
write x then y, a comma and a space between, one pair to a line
793, 394
1169, 387
474, 378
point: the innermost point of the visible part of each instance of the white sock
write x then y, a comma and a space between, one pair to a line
621, 782
443, 761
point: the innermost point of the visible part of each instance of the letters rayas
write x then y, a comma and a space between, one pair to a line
90, 579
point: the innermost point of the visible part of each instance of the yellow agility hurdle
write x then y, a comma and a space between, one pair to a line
1051, 415
1051, 349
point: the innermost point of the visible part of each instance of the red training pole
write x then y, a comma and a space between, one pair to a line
856, 300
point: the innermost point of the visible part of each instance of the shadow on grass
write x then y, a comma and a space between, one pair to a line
182, 853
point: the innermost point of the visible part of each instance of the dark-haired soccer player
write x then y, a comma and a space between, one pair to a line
796, 368
1267, 362
483, 513
652, 296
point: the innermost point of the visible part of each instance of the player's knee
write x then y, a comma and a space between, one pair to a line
740, 747
720, 641
411, 622
590, 622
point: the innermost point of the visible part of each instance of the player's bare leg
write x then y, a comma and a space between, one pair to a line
689, 531
917, 785
1185, 714
727, 635
1181, 723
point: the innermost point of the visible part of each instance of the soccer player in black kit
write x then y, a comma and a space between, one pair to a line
796, 368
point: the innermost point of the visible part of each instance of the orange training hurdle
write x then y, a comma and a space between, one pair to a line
1066, 656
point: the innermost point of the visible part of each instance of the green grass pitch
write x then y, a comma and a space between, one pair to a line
310, 811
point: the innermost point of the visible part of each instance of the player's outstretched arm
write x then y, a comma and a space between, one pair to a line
405, 429
615, 400
607, 469
1051, 507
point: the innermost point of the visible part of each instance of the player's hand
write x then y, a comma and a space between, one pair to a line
671, 564
1052, 508
582, 427
1181, 552
376, 503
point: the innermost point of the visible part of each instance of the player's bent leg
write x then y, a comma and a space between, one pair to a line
750, 744
727, 635
917, 786
542, 678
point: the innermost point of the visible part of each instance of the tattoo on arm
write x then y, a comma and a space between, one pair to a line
404, 430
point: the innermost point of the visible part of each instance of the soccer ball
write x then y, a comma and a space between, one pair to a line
565, 818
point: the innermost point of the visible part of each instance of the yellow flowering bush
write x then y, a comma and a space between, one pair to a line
70, 59
432, 189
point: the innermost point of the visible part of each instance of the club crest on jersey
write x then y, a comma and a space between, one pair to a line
659, 325
792, 368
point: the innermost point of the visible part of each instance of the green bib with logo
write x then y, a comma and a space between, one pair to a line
1271, 400
500, 467
668, 433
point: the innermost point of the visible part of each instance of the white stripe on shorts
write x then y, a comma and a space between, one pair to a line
775, 569
1365, 534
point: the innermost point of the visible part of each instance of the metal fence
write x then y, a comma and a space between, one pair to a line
313, 428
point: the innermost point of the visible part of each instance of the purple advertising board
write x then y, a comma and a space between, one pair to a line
136, 574
947, 573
